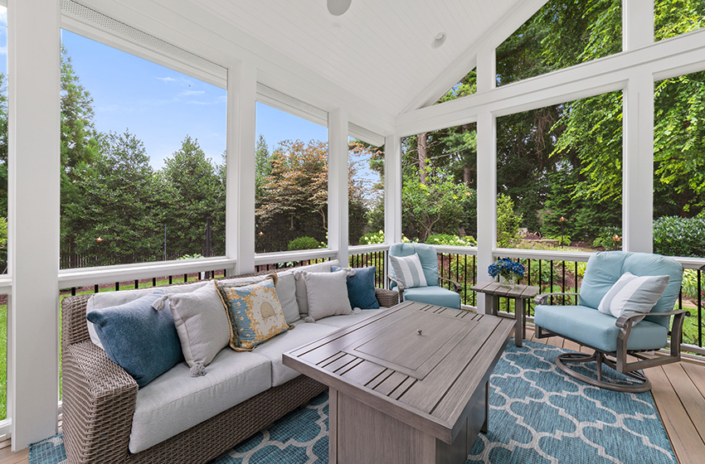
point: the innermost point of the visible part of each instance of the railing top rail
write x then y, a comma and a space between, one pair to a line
361, 249
109, 274
581, 256
690, 263
460, 250
286, 256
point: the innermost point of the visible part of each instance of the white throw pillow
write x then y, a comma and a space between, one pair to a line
633, 294
327, 294
111, 299
301, 297
286, 292
408, 270
201, 322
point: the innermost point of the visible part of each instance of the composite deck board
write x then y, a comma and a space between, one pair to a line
689, 395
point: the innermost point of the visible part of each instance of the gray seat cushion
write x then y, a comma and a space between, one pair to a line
175, 401
273, 349
340, 322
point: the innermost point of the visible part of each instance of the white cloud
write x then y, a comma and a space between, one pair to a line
3, 50
188, 93
166, 79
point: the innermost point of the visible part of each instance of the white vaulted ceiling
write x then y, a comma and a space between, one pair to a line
376, 60
380, 50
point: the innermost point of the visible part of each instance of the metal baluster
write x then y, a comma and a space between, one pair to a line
97, 289
185, 277
73, 291
137, 284
465, 280
576, 283
474, 278
551, 264
457, 262
171, 280
117, 286
154, 281
563, 284
700, 315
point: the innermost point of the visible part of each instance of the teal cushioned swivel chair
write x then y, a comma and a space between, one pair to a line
433, 294
614, 339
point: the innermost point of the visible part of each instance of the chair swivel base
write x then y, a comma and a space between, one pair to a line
562, 361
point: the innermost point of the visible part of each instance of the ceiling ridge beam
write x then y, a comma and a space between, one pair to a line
667, 58
507, 24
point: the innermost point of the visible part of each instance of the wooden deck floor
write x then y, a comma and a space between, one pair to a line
678, 390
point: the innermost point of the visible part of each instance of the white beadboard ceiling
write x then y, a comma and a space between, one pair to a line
379, 50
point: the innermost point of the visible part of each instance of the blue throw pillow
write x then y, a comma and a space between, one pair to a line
361, 287
138, 338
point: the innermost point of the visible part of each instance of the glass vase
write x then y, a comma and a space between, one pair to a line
508, 282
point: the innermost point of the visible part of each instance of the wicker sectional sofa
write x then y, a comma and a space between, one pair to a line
107, 419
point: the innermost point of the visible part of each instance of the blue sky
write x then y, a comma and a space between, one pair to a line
161, 106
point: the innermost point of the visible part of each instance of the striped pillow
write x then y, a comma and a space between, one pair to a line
408, 270
633, 294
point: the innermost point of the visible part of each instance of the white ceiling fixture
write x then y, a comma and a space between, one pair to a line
438, 40
338, 7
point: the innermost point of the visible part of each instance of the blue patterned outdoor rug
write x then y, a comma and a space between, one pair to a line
537, 415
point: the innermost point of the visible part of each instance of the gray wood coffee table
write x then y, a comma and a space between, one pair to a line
407, 386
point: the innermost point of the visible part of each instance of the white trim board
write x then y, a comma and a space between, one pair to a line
666, 58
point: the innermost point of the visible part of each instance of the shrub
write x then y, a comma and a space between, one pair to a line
304, 243
677, 236
193, 256
507, 222
605, 238
372, 238
451, 240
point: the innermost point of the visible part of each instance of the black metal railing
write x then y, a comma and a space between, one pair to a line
142, 283
461, 268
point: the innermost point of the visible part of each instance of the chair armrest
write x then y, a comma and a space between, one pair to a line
400, 285
456, 285
99, 400
625, 324
543, 297
387, 298
628, 319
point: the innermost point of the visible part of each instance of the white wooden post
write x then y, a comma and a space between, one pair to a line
637, 23
338, 184
638, 137
34, 192
392, 189
486, 173
638, 165
240, 165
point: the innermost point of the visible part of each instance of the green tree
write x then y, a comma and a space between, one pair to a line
263, 165
123, 204
196, 195
80, 147
425, 205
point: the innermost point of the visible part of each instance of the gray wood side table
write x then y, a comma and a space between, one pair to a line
520, 294
409, 386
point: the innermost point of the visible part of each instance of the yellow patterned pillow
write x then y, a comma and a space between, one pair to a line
254, 313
